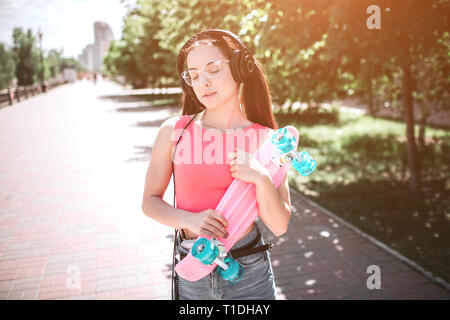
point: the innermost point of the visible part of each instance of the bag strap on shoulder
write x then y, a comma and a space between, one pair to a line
175, 294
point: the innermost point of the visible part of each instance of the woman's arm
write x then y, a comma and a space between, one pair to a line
157, 178
274, 205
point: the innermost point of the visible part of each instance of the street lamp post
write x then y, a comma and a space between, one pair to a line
42, 61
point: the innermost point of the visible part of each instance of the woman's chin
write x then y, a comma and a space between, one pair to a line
210, 104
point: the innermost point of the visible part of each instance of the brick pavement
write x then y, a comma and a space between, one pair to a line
71, 227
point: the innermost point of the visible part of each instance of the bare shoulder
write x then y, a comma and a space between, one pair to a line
170, 122
168, 126
167, 134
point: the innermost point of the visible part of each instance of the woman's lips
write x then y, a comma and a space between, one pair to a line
209, 95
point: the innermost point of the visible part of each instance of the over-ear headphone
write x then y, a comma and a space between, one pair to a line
242, 63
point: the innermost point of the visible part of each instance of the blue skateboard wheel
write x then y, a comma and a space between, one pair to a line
305, 165
205, 251
284, 140
233, 273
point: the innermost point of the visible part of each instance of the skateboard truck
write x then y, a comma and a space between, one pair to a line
285, 142
210, 251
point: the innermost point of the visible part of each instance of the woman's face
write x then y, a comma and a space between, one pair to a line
224, 84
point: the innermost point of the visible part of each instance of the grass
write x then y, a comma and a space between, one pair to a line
362, 175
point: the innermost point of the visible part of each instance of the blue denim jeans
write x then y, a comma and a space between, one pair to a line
257, 282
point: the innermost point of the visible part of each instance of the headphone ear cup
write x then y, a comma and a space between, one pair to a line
242, 65
248, 66
234, 65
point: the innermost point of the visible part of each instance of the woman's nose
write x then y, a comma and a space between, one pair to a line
203, 79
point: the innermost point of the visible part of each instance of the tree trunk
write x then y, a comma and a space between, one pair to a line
371, 104
422, 128
411, 141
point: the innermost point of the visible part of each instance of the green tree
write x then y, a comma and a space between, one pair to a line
71, 63
292, 40
26, 57
53, 63
7, 67
409, 32
322, 49
154, 32
137, 55
432, 81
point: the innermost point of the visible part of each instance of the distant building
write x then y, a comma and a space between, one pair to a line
87, 57
103, 35
92, 56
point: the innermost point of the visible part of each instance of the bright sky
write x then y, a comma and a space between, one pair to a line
67, 24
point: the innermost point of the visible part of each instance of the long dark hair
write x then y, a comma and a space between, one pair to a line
255, 97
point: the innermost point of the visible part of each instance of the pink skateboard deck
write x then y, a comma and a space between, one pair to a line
239, 207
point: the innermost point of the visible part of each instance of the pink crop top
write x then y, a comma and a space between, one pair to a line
202, 172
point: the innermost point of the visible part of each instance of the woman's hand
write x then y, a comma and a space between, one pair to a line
209, 223
246, 167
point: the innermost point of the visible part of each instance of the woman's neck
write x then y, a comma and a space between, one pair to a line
223, 118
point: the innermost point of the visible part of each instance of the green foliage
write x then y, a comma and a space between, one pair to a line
23, 62
410, 32
71, 63
26, 57
53, 63
356, 147
139, 55
362, 176
310, 116
7, 67
432, 77
312, 51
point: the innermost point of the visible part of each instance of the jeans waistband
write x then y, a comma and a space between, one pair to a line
248, 238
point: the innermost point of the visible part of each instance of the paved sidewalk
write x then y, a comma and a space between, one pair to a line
324, 257
71, 227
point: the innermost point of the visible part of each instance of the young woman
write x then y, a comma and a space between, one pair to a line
216, 98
